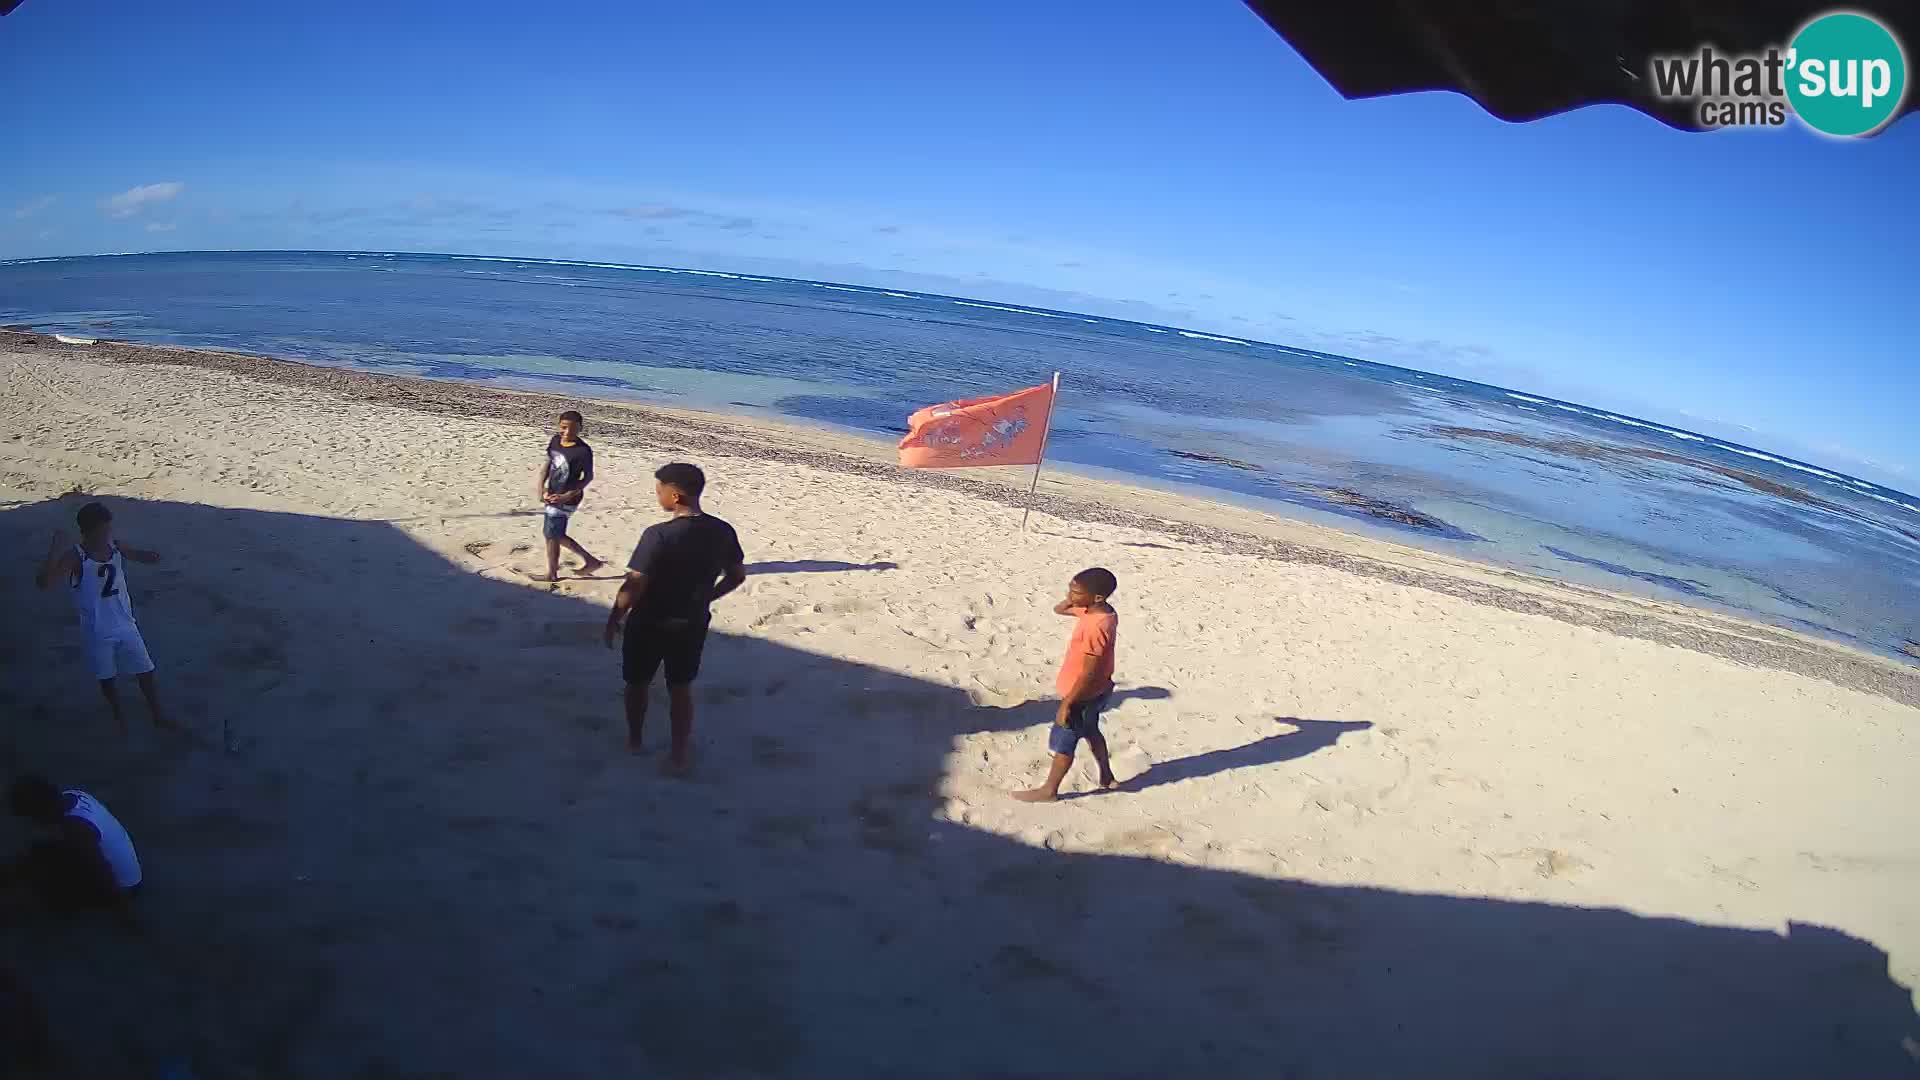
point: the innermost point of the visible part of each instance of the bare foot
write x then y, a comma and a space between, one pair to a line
678, 768
1035, 795
591, 567
164, 722
1108, 783
635, 747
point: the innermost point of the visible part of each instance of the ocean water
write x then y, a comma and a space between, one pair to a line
1492, 474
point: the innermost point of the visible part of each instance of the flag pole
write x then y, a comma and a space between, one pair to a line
1044, 432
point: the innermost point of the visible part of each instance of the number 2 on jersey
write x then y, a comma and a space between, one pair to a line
108, 571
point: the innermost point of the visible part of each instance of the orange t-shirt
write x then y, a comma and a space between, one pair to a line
1090, 649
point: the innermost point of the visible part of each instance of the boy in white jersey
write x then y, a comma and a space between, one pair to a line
87, 861
95, 573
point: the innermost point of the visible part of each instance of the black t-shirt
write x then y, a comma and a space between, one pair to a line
568, 467
683, 560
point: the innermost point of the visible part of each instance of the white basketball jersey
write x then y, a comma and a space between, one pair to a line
115, 844
100, 592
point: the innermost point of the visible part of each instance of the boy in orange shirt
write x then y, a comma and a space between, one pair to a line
1085, 681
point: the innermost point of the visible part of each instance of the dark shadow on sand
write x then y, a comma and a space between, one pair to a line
1308, 736
1110, 543
417, 868
535, 578
473, 516
816, 566
1037, 713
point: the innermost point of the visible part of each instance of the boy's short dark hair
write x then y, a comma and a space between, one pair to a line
33, 796
1097, 580
92, 516
687, 478
574, 416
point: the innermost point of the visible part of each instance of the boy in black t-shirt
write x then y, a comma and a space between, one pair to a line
563, 482
679, 567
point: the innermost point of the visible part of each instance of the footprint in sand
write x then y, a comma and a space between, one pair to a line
1017, 963
592, 722
569, 633
476, 626
780, 612
770, 752
1153, 840
989, 698
721, 694
1129, 763
316, 700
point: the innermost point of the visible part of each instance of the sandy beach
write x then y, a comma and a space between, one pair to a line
1386, 812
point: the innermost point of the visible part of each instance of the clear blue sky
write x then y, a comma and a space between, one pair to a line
1175, 162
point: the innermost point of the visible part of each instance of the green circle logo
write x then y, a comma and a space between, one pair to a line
1846, 74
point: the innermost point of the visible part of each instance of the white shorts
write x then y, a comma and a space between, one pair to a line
118, 651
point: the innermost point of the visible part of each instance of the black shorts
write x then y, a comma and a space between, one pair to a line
676, 644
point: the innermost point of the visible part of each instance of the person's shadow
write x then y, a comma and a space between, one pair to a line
1306, 737
434, 858
816, 566
1029, 712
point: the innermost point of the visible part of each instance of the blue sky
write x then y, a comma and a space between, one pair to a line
1174, 162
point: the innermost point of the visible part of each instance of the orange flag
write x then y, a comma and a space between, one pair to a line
1006, 430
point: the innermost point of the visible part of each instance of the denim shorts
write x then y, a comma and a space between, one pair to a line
1083, 722
555, 525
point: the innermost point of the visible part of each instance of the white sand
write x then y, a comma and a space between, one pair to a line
1370, 831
